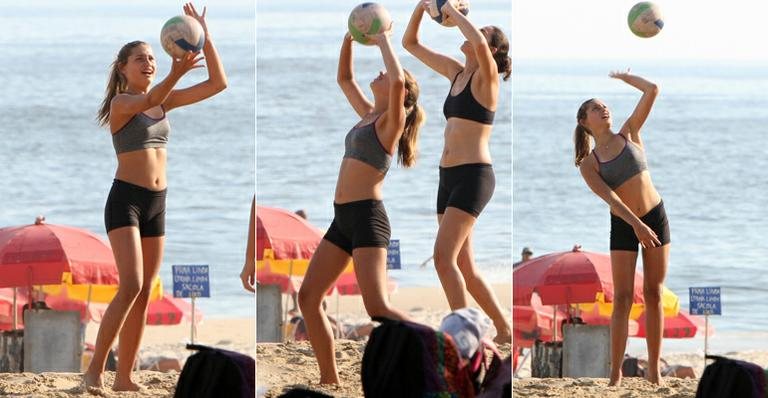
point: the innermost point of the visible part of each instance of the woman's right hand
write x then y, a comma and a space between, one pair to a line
187, 62
646, 236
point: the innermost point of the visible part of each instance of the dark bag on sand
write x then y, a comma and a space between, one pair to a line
303, 393
215, 373
405, 359
731, 378
497, 382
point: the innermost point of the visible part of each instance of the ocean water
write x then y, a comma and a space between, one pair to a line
56, 161
302, 118
706, 154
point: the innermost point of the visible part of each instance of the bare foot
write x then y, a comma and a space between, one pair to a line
503, 335
615, 380
92, 381
125, 385
329, 380
655, 379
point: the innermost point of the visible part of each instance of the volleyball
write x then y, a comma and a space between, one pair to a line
180, 34
645, 19
437, 15
368, 19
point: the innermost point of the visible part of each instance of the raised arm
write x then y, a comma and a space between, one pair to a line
217, 79
486, 65
589, 172
124, 106
440, 63
392, 126
632, 127
345, 76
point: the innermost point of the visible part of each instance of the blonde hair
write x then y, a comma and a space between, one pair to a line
581, 136
117, 82
408, 143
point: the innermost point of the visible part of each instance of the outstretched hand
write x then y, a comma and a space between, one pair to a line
616, 74
190, 10
190, 60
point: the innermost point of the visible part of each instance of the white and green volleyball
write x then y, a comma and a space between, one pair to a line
645, 19
180, 34
437, 15
368, 19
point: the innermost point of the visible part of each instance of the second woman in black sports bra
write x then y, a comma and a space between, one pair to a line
616, 171
360, 228
467, 180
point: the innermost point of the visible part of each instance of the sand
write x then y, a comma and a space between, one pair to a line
281, 366
632, 386
231, 334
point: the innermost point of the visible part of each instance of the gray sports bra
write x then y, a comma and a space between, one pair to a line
361, 143
627, 164
142, 132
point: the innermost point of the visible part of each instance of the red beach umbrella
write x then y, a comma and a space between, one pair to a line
6, 308
288, 236
347, 285
681, 326
44, 254
570, 277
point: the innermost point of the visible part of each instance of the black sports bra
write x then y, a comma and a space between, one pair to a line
465, 106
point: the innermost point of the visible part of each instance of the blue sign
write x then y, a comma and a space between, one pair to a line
191, 281
705, 301
393, 254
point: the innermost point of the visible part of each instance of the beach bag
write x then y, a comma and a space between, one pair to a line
731, 378
215, 373
303, 393
407, 359
497, 377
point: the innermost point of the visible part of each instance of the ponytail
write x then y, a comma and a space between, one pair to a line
581, 136
499, 41
408, 143
116, 83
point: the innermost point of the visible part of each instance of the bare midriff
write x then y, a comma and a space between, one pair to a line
358, 181
145, 168
466, 141
639, 194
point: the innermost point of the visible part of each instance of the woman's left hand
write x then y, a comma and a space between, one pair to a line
190, 10
382, 36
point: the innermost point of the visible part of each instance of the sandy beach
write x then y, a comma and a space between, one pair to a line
168, 341
527, 386
282, 366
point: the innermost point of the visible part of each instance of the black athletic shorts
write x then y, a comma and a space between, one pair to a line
467, 187
133, 205
623, 236
363, 223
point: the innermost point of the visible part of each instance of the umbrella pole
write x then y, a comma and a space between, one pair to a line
290, 295
554, 319
706, 338
15, 310
192, 324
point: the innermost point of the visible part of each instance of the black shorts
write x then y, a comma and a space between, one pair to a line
623, 236
133, 205
467, 187
363, 223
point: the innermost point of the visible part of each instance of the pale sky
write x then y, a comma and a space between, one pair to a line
597, 29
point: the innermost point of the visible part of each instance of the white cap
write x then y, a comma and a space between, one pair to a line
467, 326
